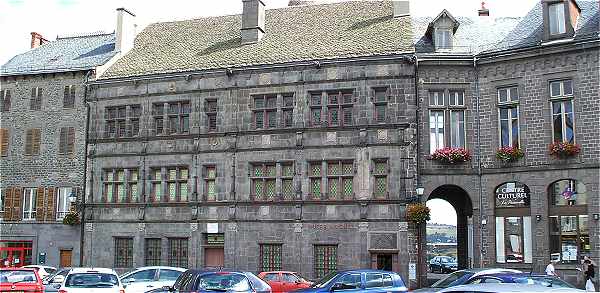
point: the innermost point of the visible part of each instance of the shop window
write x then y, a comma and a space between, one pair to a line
270, 257
152, 252
325, 260
513, 240
568, 193
123, 252
178, 252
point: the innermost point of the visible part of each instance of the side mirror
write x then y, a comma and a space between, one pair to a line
58, 279
337, 287
129, 280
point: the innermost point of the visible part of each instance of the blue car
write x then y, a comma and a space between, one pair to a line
521, 278
372, 281
209, 281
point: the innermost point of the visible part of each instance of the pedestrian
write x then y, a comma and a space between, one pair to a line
589, 273
550, 271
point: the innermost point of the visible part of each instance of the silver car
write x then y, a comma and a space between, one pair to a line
148, 278
461, 277
506, 288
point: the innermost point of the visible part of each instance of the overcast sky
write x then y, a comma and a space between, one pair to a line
18, 18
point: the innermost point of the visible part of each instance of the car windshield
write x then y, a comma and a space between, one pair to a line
17, 276
544, 281
324, 281
223, 282
50, 270
91, 280
449, 280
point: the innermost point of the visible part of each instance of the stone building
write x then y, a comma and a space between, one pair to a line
257, 143
42, 134
521, 83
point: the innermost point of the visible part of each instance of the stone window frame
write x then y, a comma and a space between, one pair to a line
178, 251
128, 181
263, 179
33, 138
446, 108
152, 247
341, 178
342, 103
284, 175
270, 257
288, 102
35, 102
209, 175
6, 100
327, 266
267, 110
211, 109
69, 97
123, 252
163, 112
4, 141
66, 141
32, 193
125, 121
507, 105
380, 104
378, 174
165, 181
562, 99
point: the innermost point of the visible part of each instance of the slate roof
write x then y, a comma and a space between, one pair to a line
312, 32
63, 54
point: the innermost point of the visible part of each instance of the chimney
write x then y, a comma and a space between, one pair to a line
125, 31
253, 21
483, 11
37, 40
401, 8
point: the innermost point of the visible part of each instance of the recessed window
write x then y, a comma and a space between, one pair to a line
63, 204
123, 252
270, 257
35, 103
443, 39
556, 18
69, 97
32, 141
325, 260
5, 102
210, 186
210, 108
380, 102
508, 118
29, 203
120, 185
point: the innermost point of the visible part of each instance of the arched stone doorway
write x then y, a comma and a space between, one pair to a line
460, 200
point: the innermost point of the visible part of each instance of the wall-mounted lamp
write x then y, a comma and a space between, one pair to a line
596, 217
72, 196
420, 190
538, 217
484, 221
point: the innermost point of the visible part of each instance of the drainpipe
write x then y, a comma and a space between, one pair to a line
479, 168
417, 168
83, 196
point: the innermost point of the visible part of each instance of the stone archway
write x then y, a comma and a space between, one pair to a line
460, 200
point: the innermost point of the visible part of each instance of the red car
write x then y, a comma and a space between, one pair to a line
282, 281
20, 280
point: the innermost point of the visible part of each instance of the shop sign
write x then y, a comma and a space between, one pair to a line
512, 194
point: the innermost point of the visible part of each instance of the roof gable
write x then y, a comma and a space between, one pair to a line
444, 14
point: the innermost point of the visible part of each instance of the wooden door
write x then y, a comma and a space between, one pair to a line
214, 257
65, 258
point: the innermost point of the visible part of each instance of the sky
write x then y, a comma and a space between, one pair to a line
18, 18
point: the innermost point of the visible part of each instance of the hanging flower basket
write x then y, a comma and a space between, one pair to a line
451, 155
417, 213
509, 154
563, 150
71, 218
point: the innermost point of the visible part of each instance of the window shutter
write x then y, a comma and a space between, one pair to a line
8, 204
28, 141
71, 140
66, 98
62, 140
4, 142
35, 147
39, 204
17, 206
50, 205
7, 100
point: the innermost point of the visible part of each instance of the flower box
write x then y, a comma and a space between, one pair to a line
563, 150
417, 213
451, 155
509, 154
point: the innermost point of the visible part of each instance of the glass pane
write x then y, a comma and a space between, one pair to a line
258, 171
569, 192
134, 192
157, 175
109, 192
458, 128
514, 94
334, 116
315, 100
568, 225
157, 187
172, 174
315, 169
515, 132
316, 187
288, 118
514, 241
211, 173
172, 191
348, 190
347, 115
272, 119
133, 175
183, 173
287, 170
120, 175
183, 191
333, 99
259, 119
270, 189
173, 108
568, 88
259, 103
500, 253
504, 133
271, 102
583, 224
557, 18
333, 188
333, 169
381, 168
288, 101
380, 186
185, 108
316, 116
270, 171
121, 193
555, 89
380, 95
287, 189
348, 168
210, 190
502, 95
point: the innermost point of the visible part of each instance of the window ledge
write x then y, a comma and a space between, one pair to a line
557, 41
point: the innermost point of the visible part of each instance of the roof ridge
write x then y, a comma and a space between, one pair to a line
83, 35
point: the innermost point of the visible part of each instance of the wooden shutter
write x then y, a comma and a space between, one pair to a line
50, 204
8, 204
62, 141
17, 206
35, 145
4, 136
71, 140
39, 204
6, 100
28, 141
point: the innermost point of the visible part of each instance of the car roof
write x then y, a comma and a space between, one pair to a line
365, 271
17, 269
160, 267
92, 270
508, 274
277, 272
39, 266
506, 287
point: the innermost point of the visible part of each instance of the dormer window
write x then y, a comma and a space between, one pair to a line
556, 18
443, 39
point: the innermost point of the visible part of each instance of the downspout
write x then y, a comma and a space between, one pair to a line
83, 196
418, 169
479, 169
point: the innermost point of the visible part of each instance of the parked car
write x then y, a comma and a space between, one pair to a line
358, 280
96, 280
147, 278
20, 280
220, 281
53, 282
520, 278
461, 277
506, 288
283, 281
43, 271
443, 264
